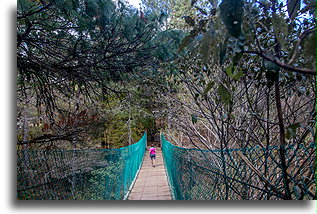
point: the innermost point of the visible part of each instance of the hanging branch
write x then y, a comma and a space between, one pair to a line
282, 64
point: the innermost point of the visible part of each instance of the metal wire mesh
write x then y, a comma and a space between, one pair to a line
196, 174
104, 174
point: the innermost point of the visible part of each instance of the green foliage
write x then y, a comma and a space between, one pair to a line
224, 94
231, 15
280, 29
194, 118
233, 73
25, 5
310, 49
206, 44
180, 12
208, 87
88, 44
271, 72
291, 130
222, 53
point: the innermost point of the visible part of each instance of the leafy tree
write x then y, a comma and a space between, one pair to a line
248, 80
82, 42
73, 54
179, 12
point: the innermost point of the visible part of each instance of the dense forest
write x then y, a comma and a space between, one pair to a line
210, 74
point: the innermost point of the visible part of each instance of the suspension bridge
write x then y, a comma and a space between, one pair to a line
180, 174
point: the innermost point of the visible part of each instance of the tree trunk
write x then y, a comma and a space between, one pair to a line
282, 150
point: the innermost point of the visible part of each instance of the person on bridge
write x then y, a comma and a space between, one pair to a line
152, 151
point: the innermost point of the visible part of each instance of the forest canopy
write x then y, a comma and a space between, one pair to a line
83, 64
75, 54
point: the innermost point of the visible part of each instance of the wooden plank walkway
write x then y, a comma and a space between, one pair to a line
151, 183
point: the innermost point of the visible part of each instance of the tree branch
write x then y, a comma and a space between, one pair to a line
282, 64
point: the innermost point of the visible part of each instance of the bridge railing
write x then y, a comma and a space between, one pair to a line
239, 174
104, 174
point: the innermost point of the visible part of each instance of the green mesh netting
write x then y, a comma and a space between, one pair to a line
196, 174
104, 174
